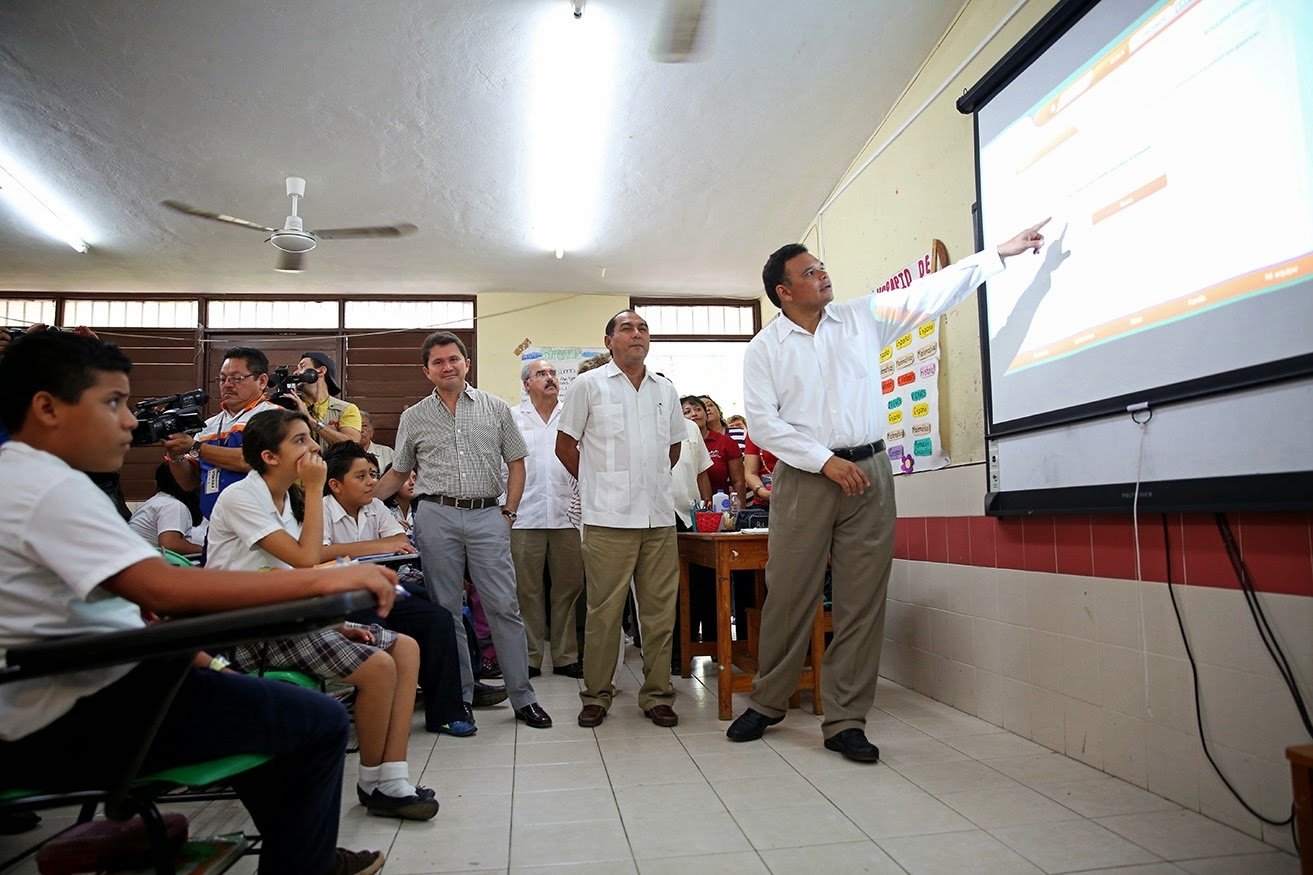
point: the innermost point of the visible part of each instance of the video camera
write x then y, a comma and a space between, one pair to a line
157, 418
284, 381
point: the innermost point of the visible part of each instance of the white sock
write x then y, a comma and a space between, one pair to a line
368, 778
394, 780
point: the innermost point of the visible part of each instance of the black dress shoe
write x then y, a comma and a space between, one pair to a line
573, 670
410, 808
534, 715
469, 712
852, 743
534, 672
486, 695
750, 725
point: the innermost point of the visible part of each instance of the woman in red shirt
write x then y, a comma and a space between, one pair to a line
726, 471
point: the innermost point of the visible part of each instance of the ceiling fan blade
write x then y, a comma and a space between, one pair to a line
680, 31
218, 217
290, 262
400, 230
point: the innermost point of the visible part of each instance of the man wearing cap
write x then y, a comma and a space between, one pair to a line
335, 420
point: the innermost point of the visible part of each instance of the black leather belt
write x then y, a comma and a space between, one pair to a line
856, 454
461, 503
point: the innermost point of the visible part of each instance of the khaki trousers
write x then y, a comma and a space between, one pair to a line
611, 558
810, 519
560, 550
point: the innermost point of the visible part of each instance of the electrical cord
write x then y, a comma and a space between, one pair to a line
1194, 673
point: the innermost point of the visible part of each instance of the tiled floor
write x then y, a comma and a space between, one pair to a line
952, 794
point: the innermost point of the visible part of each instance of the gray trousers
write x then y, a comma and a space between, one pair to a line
811, 518
560, 550
448, 539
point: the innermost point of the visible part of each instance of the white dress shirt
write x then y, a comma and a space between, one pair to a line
809, 394
694, 458
624, 446
549, 489
372, 522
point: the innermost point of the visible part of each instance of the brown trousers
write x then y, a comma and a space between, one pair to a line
561, 552
612, 557
810, 519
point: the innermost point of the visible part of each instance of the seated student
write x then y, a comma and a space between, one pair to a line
253, 527
357, 524
169, 515
70, 566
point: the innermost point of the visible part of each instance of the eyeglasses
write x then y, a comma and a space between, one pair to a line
234, 380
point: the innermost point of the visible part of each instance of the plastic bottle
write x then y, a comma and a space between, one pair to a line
720, 501
734, 503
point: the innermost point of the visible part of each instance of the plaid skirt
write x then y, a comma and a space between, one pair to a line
327, 655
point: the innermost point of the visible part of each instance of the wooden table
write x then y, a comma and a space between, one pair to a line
724, 552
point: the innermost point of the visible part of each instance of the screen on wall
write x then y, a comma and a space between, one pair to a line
1172, 143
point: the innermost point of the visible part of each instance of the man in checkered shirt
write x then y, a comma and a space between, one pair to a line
457, 438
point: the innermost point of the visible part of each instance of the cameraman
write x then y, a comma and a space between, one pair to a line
334, 420
212, 460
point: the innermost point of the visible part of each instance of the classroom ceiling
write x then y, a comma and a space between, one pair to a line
435, 113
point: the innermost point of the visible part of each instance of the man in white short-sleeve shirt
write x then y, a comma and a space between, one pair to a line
619, 434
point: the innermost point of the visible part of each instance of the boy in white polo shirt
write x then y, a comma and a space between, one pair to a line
357, 524
69, 565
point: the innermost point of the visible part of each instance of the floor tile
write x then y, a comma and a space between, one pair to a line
782, 791
906, 815
546, 844
954, 776
848, 857
973, 851
692, 799
797, 825
1006, 806
565, 806
743, 863
1181, 835
995, 745
1045, 768
1072, 846
1104, 797
1276, 863
679, 835
448, 850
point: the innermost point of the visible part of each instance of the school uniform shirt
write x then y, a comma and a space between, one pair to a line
159, 514
808, 394
383, 453
624, 446
551, 495
373, 521
60, 538
243, 516
224, 429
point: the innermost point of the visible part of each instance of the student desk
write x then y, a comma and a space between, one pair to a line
724, 552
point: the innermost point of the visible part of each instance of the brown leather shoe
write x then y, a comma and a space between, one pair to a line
662, 715
592, 715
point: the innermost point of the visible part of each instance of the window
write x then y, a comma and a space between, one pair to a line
435, 315
298, 315
126, 313
699, 345
20, 314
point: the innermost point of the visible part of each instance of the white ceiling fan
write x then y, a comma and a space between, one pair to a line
292, 240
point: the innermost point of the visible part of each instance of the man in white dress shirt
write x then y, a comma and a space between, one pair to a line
619, 434
545, 532
812, 391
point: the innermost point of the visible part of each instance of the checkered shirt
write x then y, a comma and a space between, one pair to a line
461, 455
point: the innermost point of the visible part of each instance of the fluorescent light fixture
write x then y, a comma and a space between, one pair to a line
570, 119
38, 212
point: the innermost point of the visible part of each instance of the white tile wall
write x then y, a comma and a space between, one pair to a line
1058, 659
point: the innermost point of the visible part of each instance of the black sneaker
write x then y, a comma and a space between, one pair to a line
407, 808
357, 862
572, 670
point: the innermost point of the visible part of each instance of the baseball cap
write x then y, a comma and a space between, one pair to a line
330, 377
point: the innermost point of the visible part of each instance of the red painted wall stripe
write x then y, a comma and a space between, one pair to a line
1278, 548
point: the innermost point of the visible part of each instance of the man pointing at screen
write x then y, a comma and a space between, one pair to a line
812, 391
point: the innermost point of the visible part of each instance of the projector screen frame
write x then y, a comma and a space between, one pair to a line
1283, 491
